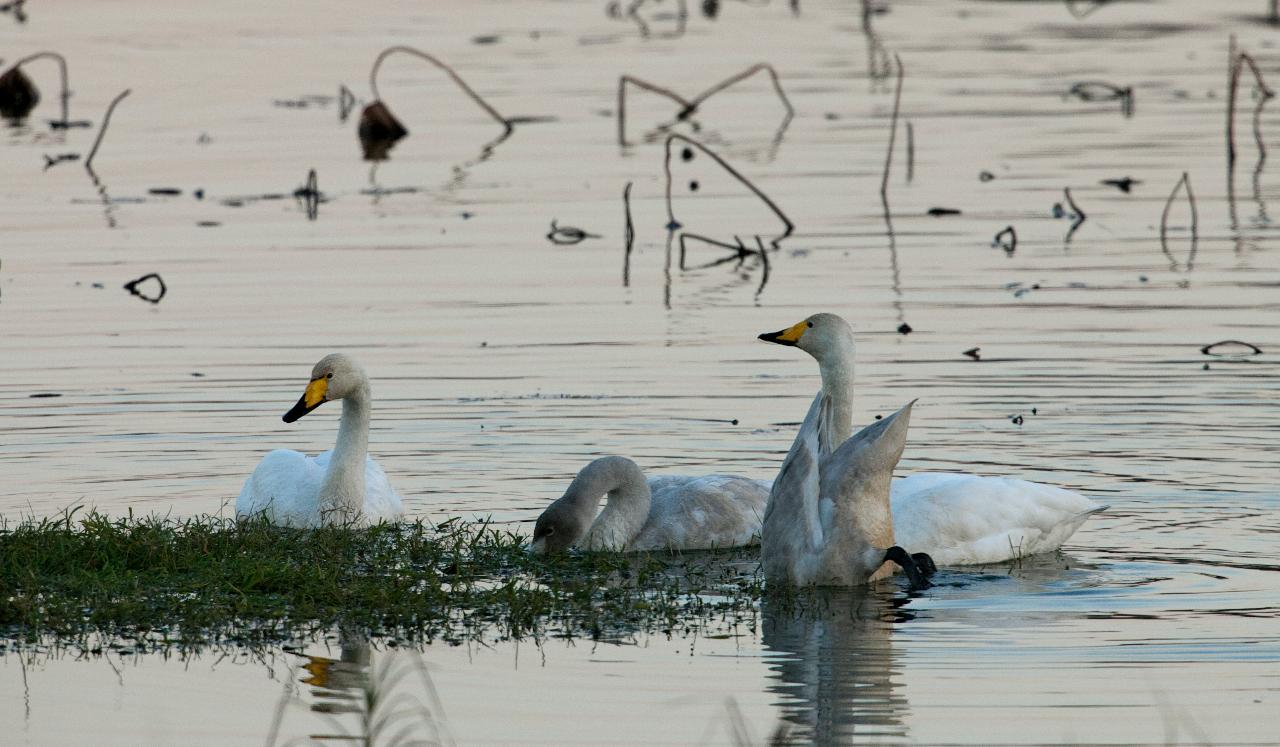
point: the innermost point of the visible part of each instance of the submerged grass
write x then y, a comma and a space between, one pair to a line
156, 582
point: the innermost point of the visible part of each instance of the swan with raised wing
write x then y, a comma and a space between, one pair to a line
956, 519
342, 486
667, 512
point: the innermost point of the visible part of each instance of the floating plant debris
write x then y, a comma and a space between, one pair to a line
938, 212
51, 161
1007, 239
905, 329
1231, 348
44, 395
973, 353
985, 176
1124, 185
149, 294
1095, 90
1016, 420
16, 8
568, 235
165, 191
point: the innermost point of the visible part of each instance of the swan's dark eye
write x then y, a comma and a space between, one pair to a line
810, 325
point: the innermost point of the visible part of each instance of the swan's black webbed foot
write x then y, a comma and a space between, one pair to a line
924, 563
919, 579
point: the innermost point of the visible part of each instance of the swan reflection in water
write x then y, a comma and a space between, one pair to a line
363, 697
833, 667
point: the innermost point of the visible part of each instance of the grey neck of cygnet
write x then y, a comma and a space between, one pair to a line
343, 488
627, 507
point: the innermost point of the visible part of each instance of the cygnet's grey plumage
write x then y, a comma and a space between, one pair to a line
660, 513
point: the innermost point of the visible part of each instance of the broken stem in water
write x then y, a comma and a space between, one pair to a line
106, 120
377, 63
893, 130
62, 70
1184, 182
1237, 61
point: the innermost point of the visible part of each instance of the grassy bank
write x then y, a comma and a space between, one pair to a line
155, 582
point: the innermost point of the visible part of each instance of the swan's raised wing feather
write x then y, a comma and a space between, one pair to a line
792, 529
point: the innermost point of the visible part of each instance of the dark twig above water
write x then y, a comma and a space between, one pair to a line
453, 75
687, 154
106, 122
1183, 183
1079, 216
379, 129
688, 107
346, 102
893, 131
629, 236
309, 195
1237, 62
911, 151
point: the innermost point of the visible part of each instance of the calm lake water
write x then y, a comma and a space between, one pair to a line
502, 362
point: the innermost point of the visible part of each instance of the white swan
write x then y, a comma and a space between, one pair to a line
956, 519
661, 513
341, 486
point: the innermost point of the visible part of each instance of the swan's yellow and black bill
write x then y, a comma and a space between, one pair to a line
789, 336
312, 398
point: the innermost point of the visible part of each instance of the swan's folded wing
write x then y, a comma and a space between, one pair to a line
381, 501
702, 513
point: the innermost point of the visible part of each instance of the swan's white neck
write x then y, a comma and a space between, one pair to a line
343, 489
836, 366
627, 507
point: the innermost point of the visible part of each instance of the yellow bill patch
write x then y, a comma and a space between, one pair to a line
793, 333
316, 391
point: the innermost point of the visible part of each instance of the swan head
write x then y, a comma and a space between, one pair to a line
559, 527
336, 376
572, 517
823, 336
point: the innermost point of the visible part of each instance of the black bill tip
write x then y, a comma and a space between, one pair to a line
775, 337
299, 409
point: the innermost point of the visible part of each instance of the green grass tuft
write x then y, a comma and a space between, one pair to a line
153, 582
